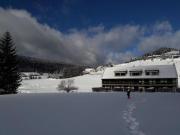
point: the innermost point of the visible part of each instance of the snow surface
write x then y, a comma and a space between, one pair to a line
90, 114
85, 83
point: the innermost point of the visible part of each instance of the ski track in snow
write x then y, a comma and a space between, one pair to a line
131, 121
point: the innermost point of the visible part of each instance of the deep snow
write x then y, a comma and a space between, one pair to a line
90, 114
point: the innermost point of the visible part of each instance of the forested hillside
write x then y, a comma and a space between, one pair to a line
30, 64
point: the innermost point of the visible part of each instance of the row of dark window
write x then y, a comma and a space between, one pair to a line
141, 81
137, 73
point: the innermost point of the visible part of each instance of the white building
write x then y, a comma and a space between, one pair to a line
140, 77
30, 75
89, 71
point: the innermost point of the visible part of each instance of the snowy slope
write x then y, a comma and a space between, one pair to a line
90, 114
154, 61
85, 83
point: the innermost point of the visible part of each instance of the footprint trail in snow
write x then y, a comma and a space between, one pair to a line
132, 123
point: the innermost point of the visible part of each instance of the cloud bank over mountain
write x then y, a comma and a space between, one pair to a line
92, 45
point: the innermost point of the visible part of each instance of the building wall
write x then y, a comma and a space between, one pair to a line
137, 83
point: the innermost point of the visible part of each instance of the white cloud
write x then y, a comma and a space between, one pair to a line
93, 45
88, 46
162, 35
116, 57
161, 27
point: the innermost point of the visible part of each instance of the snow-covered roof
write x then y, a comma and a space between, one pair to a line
30, 73
165, 71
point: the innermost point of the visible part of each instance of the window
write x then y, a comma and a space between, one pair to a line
152, 81
117, 74
152, 72
141, 81
163, 81
135, 73
120, 73
174, 81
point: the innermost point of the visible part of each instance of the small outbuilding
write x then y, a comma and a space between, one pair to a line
88, 70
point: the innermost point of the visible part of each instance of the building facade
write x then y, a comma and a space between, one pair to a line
153, 77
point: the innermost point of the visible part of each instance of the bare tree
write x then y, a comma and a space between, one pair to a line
62, 85
67, 85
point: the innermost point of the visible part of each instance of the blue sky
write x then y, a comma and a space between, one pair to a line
66, 14
91, 31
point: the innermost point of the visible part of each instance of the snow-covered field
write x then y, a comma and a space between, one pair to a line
90, 114
84, 83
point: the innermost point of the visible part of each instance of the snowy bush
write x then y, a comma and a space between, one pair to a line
67, 85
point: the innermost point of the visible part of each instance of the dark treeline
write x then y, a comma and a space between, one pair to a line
160, 51
30, 64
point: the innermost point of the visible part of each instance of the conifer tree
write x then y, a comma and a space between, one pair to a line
9, 75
